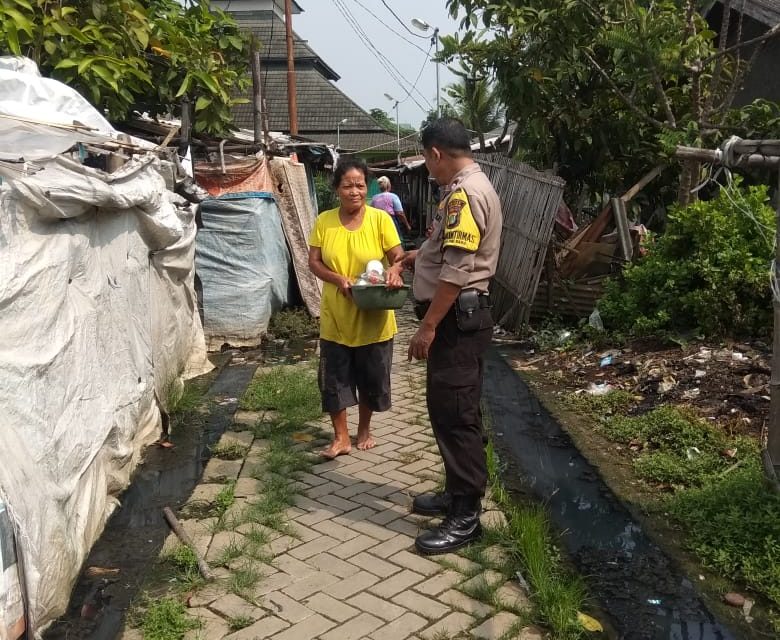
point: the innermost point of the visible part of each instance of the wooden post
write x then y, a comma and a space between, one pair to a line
186, 126
621, 223
292, 104
257, 93
772, 454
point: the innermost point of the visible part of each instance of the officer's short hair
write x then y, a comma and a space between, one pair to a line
448, 134
347, 164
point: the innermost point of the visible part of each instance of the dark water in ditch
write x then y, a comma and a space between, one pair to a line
136, 531
646, 595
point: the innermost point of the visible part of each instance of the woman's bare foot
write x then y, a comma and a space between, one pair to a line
335, 450
364, 443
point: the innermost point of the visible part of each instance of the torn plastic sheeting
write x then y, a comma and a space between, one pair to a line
99, 321
243, 264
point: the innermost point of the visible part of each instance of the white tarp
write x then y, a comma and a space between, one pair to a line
98, 319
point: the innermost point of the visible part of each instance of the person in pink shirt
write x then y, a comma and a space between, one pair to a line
388, 201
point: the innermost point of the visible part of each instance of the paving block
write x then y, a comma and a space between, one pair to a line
439, 583
333, 565
388, 515
264, 628
415, 563
531, 633
331, 608
487, 577
231, 606
273, 582
292, 566
353, 547
222, 470
314, 547
452, 625
248, 487
493, 519
241, 438
392, 546
247, 418
207, 594
221, 541
375, 565
211, 625
495, 627
459, 563
513, 596
406, 526
313, 627
352, 585
400, 628
380, 607
423, 605
371, 529
397, 583
285, 607
309, 585
335, 530
462, 602
355, 629
353, 491
205, 492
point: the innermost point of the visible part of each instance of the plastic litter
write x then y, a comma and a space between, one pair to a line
595, 320
654, 601
589, 623
600, 389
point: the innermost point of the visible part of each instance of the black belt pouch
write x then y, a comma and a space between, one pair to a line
471, 313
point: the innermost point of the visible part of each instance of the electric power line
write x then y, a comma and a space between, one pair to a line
391, 69
401, 22
419, 74
400, 35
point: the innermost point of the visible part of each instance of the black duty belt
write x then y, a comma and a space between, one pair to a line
421, 308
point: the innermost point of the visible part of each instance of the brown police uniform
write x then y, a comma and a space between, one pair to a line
463, 250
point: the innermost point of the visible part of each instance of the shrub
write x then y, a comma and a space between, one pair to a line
709, 271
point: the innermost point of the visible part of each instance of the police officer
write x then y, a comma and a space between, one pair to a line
452, 270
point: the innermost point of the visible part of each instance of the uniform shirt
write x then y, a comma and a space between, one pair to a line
347, 252
465, 239
387, 201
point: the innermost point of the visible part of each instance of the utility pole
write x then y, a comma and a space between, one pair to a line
292, 104
257, 93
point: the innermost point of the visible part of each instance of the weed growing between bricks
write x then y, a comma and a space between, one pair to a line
275, 451
556, 594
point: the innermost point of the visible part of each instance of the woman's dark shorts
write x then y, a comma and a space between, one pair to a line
349, 374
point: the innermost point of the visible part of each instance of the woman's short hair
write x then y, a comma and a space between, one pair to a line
347, 164
384, 182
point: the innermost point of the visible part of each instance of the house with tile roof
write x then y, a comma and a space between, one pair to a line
321, 104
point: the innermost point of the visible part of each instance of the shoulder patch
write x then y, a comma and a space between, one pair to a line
461, 230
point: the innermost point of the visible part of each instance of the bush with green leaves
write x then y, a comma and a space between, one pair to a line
708, 272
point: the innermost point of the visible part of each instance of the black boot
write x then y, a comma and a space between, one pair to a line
432, 504
459, 528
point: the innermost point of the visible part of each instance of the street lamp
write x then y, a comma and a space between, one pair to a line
338, 132
397, 125
424, 27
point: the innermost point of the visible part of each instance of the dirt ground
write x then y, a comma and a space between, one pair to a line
726, 383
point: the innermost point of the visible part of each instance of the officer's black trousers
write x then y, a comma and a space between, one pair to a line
454, 387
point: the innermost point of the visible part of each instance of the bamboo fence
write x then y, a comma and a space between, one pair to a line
529, 200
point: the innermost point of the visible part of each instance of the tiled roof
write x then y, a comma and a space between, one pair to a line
765, 11
321, 104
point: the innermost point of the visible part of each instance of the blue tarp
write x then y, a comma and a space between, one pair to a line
243, 263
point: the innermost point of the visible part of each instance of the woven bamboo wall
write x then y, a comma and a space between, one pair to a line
529, 200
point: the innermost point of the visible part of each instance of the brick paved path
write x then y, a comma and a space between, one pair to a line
352, 572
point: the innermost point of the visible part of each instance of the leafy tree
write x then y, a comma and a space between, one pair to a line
388, 124
602, 91
708, 271
124, 55
475, 102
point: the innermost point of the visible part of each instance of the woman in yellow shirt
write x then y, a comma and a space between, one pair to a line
356, 345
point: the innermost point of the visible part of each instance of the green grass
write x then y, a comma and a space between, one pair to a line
556, 593
229, 451
184, 563
677, 447
239, 622
613, 403
166, 619
733, 525
290, 391
292, 323
224, 499
244, 579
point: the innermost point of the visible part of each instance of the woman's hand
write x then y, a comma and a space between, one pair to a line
345, 286
393, 278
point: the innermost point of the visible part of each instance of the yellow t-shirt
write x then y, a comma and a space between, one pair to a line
347, 253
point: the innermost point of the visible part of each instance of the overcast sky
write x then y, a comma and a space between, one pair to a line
363, 78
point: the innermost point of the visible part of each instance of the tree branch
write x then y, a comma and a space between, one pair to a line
769, 34
725, 22
628, 102
659, 89
739, 77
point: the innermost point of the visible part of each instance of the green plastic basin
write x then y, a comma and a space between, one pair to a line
378, 296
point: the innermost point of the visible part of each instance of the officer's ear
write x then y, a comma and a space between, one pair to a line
435, 154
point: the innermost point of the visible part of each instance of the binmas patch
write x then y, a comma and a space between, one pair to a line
461, 230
